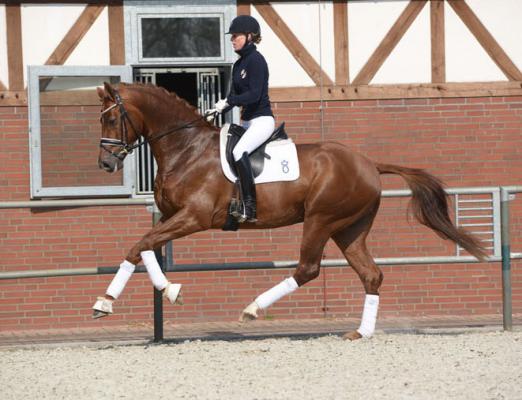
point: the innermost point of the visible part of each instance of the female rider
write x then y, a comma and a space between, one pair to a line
250, 91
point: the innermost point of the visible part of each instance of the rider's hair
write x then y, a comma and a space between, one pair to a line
256, 37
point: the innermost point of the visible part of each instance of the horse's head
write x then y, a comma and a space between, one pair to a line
120, 128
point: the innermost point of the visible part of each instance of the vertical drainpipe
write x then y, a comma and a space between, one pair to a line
506, 260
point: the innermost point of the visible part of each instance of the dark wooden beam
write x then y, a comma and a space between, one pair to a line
116, 34
401, 91
300, 94
486, 40
292, 43
243, 7
438, 52
12, 98
340, 12
389, 42
15, 59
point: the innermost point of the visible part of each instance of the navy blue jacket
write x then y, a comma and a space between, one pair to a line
250, 84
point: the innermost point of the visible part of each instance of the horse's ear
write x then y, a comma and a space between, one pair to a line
109, 90
101, 93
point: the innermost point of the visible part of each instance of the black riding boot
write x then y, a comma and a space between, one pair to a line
248, 188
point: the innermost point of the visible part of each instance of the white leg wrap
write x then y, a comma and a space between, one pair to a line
272, 295
369, 317
120, 279
156, 275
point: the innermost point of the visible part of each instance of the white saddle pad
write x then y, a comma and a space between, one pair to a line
283, 164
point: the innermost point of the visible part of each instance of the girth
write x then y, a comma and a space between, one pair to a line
257, 157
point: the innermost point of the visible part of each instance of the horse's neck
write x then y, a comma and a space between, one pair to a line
181, 147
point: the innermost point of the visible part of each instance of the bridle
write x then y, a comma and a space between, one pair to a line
122, 143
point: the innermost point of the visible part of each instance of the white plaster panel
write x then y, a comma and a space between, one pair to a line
93, 49
368, 23
410, 60
309, 22
466, 60
502, 18
43, 28
284, 69
4, 76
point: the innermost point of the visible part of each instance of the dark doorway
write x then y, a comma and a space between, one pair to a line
184, 84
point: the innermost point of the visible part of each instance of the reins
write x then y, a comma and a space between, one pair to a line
124, 116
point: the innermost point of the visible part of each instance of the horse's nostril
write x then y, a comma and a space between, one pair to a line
105, 165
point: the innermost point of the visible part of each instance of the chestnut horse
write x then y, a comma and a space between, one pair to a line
336, 196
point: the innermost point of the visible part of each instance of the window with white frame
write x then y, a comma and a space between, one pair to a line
178, 32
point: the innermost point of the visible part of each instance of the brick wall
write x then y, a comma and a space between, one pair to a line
466, 142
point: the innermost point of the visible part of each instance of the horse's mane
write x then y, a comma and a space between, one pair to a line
168, 100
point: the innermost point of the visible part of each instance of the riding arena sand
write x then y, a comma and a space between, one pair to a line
469, 365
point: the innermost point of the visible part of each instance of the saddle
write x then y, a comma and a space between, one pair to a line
257, 157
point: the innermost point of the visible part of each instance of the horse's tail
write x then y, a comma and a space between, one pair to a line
429, 203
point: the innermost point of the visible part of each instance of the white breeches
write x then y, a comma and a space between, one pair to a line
258, 130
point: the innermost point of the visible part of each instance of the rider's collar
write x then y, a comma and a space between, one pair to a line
248, 48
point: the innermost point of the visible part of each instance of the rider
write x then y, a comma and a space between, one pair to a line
250, 91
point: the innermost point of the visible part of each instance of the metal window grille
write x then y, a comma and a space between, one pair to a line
209, 84
478, 214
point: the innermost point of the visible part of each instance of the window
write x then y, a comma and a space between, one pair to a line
178, 33
64, 131
182, 37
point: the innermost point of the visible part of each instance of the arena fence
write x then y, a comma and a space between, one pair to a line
472, 207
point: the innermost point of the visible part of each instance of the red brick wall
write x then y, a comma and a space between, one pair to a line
466, 142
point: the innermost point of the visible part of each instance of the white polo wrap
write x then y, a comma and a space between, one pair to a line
369, 317
272, 295
120, 279
156, 275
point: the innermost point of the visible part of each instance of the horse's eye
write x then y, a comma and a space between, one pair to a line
112, 121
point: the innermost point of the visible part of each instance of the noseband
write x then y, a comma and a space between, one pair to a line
124, 147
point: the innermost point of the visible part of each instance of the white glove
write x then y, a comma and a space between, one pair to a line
221, 105
210, 115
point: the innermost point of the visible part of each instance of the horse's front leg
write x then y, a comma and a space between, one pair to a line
183, 223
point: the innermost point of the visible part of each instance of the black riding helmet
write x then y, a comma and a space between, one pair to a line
244, 24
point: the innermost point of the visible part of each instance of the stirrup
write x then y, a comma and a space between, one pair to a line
240, 215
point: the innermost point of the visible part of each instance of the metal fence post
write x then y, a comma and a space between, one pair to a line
506, 260
158, 299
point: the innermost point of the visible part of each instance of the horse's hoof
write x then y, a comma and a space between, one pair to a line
99, 314
102, 307
249, 313
179, 300
353, 335
172, 293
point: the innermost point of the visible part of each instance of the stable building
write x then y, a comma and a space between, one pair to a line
425, 84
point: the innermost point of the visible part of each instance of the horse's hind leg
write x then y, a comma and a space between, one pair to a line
352, 242
315, 236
